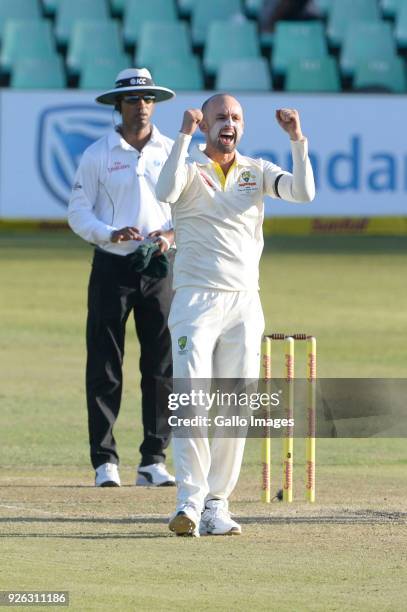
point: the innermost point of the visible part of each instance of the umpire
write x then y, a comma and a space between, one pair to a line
113, 206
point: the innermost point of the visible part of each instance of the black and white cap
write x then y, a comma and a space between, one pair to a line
135, 80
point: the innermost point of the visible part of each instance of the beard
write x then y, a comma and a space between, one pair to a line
224, 144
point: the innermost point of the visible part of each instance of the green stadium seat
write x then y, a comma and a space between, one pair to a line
118, 7
381, 75
162, 39
244, 75
26, 10
253, 8
71, 11
206, 11
100, 73
185, 7
391, 8
179, 73
345, 12
32, 39
99, 38
29, 73
240, 40
313, 75
137, 13
324, 6
401, 27
366, 41
296, 40
50, 7
266, 40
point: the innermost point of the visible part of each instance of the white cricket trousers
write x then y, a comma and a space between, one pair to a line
215, 334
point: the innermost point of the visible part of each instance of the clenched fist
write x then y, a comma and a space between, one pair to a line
192, 118
289, 120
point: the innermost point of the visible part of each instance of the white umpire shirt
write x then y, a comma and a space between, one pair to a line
218, 220
115, 187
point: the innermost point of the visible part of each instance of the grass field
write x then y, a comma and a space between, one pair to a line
110, 547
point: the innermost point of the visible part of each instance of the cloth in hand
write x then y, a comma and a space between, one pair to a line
144, 261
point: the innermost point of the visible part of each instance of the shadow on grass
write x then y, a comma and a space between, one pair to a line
105, 536
142, 520
360, 517
62, 486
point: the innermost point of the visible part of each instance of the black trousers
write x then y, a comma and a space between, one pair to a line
115, 291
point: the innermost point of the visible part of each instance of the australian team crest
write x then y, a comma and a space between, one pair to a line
247, 182
182, 344
64, 133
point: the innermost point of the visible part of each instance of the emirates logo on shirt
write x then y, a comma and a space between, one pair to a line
117, 165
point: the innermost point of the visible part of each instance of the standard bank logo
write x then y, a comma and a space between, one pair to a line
64, 132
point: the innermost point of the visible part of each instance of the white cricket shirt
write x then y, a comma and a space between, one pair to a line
218, 220
115, 187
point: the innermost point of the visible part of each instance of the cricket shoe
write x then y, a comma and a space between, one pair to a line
216, 519
107, 475
185, 521
154, 475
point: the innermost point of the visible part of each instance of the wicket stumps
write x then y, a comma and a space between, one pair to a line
288, 440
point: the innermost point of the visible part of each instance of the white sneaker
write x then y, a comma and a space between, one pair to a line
216, 519
154, 475
107, 475
185, 521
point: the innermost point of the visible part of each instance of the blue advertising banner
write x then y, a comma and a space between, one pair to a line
357, 148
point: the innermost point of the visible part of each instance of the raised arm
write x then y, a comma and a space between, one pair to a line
174, 174
298, 186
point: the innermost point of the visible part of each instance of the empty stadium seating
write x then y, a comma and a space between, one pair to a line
295, 40
136, 13
26, 39
161, 39
401, 26
185, 7
205, 11
93, 39
50, 7
253, 7
204, 44
239, 38
38, 73
344, 12
324, 6
313, 75
244, 75
391, 8
179, 73
26, 10
387, 75
366, 40
118, 7
101, 72
70, 11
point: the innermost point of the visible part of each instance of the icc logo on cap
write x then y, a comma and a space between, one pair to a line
64, 132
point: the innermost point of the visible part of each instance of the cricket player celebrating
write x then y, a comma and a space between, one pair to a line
216, 320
